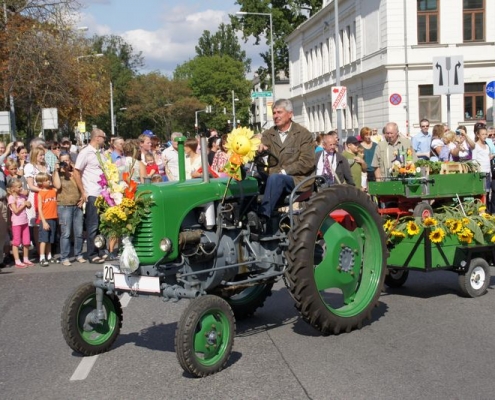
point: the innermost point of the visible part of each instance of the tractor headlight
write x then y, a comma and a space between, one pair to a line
100, 241
166, 245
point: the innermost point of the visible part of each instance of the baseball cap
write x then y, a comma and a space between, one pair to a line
353, 140
149, 133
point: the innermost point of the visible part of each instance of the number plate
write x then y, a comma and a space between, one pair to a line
109, 272
130, 283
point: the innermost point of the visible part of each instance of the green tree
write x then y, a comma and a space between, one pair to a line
123, 64
286, 16
212, 80
155, 102
224, 42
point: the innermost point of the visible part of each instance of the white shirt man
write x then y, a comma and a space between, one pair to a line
170, 157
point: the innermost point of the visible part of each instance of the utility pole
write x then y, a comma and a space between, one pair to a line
11, 97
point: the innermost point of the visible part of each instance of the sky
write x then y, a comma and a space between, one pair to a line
166, 32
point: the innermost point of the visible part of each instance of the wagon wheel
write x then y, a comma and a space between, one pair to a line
336, 271
205, 336
423, 210
396, 277
475, 281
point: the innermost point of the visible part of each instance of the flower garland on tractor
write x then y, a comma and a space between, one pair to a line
120, 208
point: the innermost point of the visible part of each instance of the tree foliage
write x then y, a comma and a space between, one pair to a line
155, 102
212, 80
223, 42
286, 16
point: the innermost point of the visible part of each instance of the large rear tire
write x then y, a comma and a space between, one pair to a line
205, 336
245, 303
336, 270
79, 332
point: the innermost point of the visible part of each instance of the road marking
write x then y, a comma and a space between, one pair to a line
125, 299
84, 368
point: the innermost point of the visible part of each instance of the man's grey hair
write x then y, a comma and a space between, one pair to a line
37, 142
175, 135
283, 103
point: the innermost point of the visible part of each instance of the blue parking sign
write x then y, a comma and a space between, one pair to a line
490, 89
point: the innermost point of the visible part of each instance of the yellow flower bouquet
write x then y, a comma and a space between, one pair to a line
120, 208
468, 221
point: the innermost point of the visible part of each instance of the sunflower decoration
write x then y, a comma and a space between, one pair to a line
388, 225
465, 236
412, 228
241, 147
437, 235
428, 222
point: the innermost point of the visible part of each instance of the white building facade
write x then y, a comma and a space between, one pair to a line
386, 50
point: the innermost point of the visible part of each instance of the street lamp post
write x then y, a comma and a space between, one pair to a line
271, 43
79, 77
234, 121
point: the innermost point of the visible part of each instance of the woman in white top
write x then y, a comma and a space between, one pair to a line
193, 160
481, 153
436, 141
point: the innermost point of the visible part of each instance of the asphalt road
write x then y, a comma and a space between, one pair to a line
424, 342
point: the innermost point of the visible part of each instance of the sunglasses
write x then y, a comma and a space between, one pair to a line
425, 126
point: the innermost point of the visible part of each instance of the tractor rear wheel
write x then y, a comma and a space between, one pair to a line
337, 259
205, 336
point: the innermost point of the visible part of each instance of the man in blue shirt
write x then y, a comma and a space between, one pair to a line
421, 142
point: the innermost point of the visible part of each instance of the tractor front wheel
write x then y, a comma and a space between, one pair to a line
205, 336
79, 328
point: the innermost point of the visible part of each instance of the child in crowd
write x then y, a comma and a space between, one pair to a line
18, 203
156, 178
151, 166
47, 208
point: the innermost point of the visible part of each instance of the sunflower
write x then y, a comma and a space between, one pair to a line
437, 235
465, 236
455, 226
492, 239
398, 234
388, 225
465, 221
412, 228
482, 209
430, 221
241, 141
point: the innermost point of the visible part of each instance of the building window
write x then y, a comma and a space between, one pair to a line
429, 104
474, 101
474, 20
427, 21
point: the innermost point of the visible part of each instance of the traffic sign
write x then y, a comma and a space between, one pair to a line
5, 122
490, 89
448, 75
395, 99
339, 97
256, 95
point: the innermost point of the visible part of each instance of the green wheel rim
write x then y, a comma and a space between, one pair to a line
350, 262
212, 337
99, 333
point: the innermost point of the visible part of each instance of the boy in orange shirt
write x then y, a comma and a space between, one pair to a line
47, 208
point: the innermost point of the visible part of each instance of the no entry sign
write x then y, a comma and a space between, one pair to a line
395, 99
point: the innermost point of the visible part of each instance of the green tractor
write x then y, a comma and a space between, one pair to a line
204, 241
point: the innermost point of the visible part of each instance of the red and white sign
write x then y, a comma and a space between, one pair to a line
339, 97
395, 99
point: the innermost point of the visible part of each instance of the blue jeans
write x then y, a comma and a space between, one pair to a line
92, 220
70, 217
276, 186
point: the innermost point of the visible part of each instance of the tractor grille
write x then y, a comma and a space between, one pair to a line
143, 237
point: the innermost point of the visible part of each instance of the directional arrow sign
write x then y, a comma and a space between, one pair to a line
448, 75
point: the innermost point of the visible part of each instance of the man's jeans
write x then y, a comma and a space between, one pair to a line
70, 217
92, 222
276, 186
